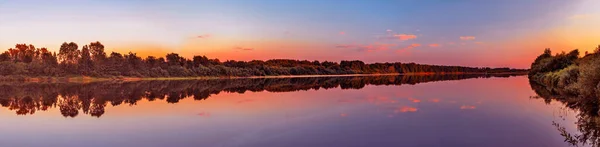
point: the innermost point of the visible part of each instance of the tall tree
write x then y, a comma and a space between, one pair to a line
85, 62
174, 59
97, 52
5, 56
68, 53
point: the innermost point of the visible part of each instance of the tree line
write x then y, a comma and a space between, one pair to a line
91, 60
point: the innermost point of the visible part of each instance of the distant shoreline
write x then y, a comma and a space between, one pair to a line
91, 62
86, 79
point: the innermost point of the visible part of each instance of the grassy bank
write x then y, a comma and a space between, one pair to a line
567, 73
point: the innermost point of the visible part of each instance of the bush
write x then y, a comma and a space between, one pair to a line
589, 79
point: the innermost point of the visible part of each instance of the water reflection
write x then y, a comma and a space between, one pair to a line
587, 122
92, 98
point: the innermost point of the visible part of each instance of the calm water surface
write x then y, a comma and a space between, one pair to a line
294, 112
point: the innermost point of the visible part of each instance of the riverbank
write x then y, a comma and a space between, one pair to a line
567, 74
87, 79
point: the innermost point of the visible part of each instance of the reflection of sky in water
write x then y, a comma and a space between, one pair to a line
473, 112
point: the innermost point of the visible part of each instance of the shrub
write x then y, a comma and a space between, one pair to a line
589, 79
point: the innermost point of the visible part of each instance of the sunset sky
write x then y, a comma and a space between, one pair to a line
449, 32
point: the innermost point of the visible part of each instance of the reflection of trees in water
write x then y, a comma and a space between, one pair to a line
92, 98
588, 120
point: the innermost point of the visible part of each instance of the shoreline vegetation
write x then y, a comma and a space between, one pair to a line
568, 75
92, 63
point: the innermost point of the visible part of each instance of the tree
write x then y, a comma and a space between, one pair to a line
151, 61
68, 53
174, 59
200, 60
85, 62
97, 52
547, 51
4, 56
48, 59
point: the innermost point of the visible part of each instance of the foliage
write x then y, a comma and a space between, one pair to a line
92, 61
566, 73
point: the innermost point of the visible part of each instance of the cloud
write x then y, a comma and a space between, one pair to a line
467, 107
405, 109
345, 46
375, 47
367, 48
434, 100
243, 48
204, 36
342, 33
412, 46
405, 36
467, 37
479, 43
434, 45
204, 114
343, 114
408, 48
393, 35
414, 100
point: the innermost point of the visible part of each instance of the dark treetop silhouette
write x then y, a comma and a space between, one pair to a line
91, 60
29, 97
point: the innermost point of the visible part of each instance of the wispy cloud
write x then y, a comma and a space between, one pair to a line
367, 48
204, 36
405, 36
342, 33
434, 45
412, 46
204, 114
408, 48
405, 109
389, 35
345, 46
434, 100
467, 107
343, 114
375, 47
243, 48
467, 37
414, 100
